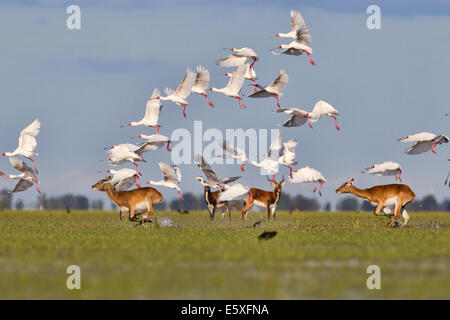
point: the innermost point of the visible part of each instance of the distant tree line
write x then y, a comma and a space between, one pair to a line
197, 202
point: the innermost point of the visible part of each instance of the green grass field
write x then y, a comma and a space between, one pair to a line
316, 255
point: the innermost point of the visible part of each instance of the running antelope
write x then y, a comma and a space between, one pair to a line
384, 197
212, 201
140, 200
262, 198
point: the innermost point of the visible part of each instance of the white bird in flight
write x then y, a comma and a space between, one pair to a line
387, 168
271, 162
275, 89
124, 178
122, 153
249, 74
26, 178
239, 57
299, 32
211, 178
234, 85
308, 174
287, 157
183, 91
172, 177
154, 142
152, 110
201, 83
424, 141
27, 143
300, 117
233, 192
233, 152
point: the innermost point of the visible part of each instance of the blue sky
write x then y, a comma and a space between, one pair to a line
84, 84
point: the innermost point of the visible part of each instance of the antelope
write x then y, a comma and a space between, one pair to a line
212, 201
261, 198
383, 197
141, 199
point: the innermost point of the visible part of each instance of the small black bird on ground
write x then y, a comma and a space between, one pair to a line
267, 235
183, 211
257, 223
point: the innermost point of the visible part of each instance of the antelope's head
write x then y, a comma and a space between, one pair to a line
102, 185
346, 187
277, 185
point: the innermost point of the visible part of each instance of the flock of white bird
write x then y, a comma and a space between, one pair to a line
280, 153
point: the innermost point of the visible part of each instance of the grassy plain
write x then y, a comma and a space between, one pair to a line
316, 255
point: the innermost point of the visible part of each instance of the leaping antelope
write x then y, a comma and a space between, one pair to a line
387, 168
201, 83
388, 196
234, 85
183, 91
152, 110
27, 143
275, 89
136, 200
424, 141
300, 117
258, 197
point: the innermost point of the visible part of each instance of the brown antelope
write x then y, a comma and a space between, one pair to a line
140, 200
212, 201
262, 198
383, 197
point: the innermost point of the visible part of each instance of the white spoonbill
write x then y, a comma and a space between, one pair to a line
300, 117
387, 168
152, 110
233, 192
233, 152
26, 178
287, 157
172, 177
201, 83
123, 179
424, 141
234, 85
308, 174
154, 142
271, 162
249, 74
239, 57
297, 22
27, 143
301, 44
183, 91
211, 178
122, 153
275, 89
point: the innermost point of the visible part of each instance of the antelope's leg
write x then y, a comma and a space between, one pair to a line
405, 216
227, 206
212, 213
247, 206
378, 208
121, 215
131, 213
398, 209
269, 211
